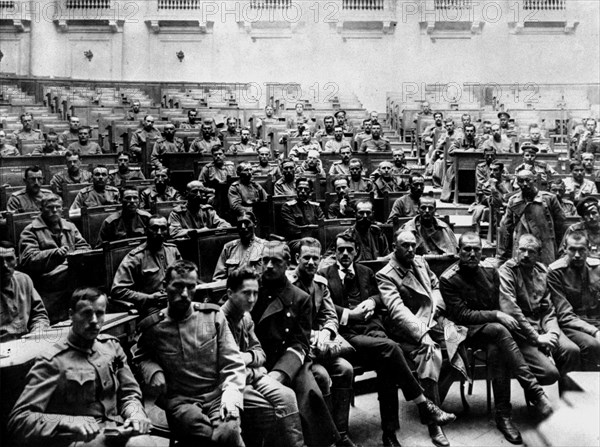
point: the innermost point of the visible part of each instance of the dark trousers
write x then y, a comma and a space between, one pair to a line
589, 348
376, 349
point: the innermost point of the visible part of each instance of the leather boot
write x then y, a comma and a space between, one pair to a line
542, 405
340, 402
501, 388
287, 432
388, 439
438, 437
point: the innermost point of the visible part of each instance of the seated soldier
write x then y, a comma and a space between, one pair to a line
27, 132
492, 195
386, 182
539, 168
399, 163
558, 188
207, 140
300, 212
376, 143
470, 291
196, 214
370, 240
333, 374
72, 174
167, 144
244, 193
190, 359
358, 182
469, 140
97, 194
44, 245
305, 146
577, 186
7, 150
140, 276
430, 133
120, 176
483, 168
328, 129
498, 141
360, 310
29, 198
21, 307
312, 165
264, 167
433, 235
340, 117
408, 205
243, 252
51, 146
231, 130
134, 113
535, 137
589, 140
507, 126
218, 170
141, 137
524, 295
360, 137
72, 133
161, 191
286, 185
343, 207
83, 145
589, 210
588, 160
268, 118
82, 392
128, 223
242, 291
338, 142
245, 146
576, 278
193, 122
341, 167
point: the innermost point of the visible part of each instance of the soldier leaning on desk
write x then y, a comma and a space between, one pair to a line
81, 388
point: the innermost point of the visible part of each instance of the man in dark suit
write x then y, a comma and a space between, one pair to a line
358, 304
283, 320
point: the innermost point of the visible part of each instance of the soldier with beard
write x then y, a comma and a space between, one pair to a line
371, 243
245, 146
51, 146
140, 138
244, 193
338, 142
169, 143
128, 223
207, 141
161, 191
358, 182
286, 186
408, 205
498, 141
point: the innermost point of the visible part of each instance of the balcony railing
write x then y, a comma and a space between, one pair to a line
178, 4
363, 5
453, 4
270, 4
544, 5
88, 4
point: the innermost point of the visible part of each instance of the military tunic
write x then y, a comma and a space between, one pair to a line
32, 135
64, 178
181, 220
592, 236
211, 174
150, 196
21, 202
163, 146
45, 150
9, 151
91, 148
379, 145
295, 214
117, 179
242, 197
577, 191
339, 168
234, 255
439, 240
89, 197
115, 227
203, 146
282, 188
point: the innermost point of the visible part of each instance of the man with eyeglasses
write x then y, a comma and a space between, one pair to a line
29, 198
128, 223
124, 173
531, 211
358, 181
300, 212
99, 193
161, 191
141, 138
44, 245
168, 143
140, 276
408, 205
72, 134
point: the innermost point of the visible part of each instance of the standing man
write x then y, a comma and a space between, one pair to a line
29, 198
128, 223
98, 194
531, 211
539, 168
120, 176
82, 388
73, 173
83, 145
470, 290
161, 191
300, 212
141, 137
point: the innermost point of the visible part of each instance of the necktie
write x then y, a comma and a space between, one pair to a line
349, 275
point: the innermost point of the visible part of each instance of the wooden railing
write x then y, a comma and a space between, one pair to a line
178, 4
270, 4
453, 4
368, 5
544, 5
88, 4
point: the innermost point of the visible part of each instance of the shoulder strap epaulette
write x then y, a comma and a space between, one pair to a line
313, 203
151, 320
54, 350
103, 338
206, 307
291, 202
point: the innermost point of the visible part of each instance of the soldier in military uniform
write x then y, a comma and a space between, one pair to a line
168, 144
192, 122
498, 141
205, 144
408, 205
535, 136
539, 168
286, 185
97, 194
343, 207
300, 212
587, 160
376, 143
371, 243
29, 198
245, 146
305, 146
44, 245
589, 210
231, 131
340, 117
161, 191
589, 141
483, 170
558, 188
120, 176
268, 118
328, 129
141, 137
195, 214
189, 357
134, 113
51, 146
312, 165
338, 142
341, 167
358, 182
263, 167
506, 126
492, 195
140, 276
386, 182
83, 145
577, 186
365, 134
73, 173
333, 373
27, 133
72, 134
7, 150
128, 223
469, 141
244, 192
218, 170
82, 388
